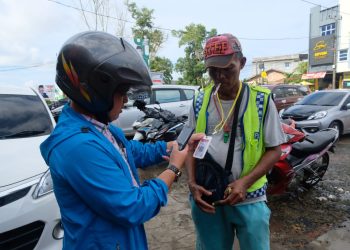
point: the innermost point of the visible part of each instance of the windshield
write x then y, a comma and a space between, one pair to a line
23, 116
322, 99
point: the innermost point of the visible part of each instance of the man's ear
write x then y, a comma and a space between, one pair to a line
243, 61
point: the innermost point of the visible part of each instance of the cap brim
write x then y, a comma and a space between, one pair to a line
218, 61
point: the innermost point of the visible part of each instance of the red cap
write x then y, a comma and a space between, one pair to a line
219, 50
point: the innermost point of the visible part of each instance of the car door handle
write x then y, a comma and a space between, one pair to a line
182, 105
284, 101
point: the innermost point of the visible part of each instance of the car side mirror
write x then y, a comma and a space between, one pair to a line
346, 107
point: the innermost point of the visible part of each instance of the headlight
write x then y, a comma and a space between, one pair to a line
317, 115
45, 186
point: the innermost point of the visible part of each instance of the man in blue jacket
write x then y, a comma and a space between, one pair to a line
93, 166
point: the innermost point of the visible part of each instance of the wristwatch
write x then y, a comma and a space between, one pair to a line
177, 172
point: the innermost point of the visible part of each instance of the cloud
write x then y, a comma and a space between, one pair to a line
28, 29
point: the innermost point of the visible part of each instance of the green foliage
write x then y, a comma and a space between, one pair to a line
144, 27
192, 66
295, 76
162, 64
302, 68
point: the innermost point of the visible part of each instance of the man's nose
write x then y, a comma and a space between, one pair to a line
219, 73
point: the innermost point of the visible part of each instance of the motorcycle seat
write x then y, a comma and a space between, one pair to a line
313, 143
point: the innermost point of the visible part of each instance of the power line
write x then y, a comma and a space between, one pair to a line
102, 15
283, 38
8, 68
316, 4
168, 29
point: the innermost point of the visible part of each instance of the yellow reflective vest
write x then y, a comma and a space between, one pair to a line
253, 146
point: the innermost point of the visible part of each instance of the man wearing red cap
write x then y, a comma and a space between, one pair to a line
255, 147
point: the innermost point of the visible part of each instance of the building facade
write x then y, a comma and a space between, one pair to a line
275, 67
329, 38
286, 63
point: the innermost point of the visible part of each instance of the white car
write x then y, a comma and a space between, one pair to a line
29, 214
175, 98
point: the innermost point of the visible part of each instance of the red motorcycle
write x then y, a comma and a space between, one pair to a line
304, 159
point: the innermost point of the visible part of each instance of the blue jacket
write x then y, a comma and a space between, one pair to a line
100, 207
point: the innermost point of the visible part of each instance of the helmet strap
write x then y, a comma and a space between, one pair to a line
103, 117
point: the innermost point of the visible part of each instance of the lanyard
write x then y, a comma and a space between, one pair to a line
223, 123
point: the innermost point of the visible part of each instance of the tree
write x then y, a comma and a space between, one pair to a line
295, 76
302, 68
192, 66
162, 64
97, 15
144, 27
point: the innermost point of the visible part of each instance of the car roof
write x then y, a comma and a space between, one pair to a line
16, 90
335, 90
173, 86
271, 86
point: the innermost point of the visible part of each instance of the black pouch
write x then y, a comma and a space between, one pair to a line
211, 176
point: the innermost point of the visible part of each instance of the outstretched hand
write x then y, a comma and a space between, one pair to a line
192, 144
194, 140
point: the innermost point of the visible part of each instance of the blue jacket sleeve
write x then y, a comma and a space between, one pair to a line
103, 185
147, 154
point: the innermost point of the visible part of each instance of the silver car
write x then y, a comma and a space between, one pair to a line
175, 98
320, 110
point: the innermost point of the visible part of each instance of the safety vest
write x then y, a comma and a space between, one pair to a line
253, 146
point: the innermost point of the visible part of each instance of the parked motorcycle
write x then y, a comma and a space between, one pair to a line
304, 159
157, 124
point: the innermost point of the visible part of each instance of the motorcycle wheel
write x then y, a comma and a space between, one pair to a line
314, 175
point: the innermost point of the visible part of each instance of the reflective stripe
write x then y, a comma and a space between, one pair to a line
199, 102
257, 193
260, 106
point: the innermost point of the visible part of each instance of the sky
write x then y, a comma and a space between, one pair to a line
32, 32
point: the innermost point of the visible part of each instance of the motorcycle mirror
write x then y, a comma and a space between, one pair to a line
140, 104
160, 108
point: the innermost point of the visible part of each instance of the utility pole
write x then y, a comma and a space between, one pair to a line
334, 60
336, 19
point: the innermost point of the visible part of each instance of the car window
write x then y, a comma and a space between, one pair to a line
323, 99
135, 96
291, 91
278, 93
303, 90
167, 95
189, 93
347, 101
23, 116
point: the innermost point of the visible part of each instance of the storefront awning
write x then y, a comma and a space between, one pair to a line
315, 75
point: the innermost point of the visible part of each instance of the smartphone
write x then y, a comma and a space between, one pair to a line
184, 136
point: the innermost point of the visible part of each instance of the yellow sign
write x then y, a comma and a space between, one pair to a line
322, 54
263, 74
320, 45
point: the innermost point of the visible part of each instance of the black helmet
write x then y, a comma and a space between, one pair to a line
92, 65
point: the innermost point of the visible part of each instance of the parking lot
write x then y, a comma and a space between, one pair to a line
295, 221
